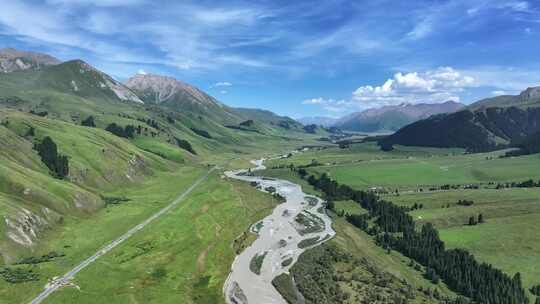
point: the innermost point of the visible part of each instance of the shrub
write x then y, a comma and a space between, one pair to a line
88, 122
202, 133
184, 144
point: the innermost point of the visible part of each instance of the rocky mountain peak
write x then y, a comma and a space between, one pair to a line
12, 60
160, 89
531, 93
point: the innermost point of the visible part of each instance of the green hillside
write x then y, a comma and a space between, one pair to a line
53, 102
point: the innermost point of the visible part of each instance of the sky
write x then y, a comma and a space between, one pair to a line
296, 58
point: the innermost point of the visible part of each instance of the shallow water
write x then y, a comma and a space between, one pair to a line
278, 239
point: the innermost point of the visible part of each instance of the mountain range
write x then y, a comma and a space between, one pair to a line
384, 119
484, 125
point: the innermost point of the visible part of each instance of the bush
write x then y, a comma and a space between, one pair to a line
88, 122
184, 144
42, 259
18, 275
465, 203
535, 290
202, 133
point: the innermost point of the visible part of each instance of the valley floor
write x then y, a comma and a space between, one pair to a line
184, 256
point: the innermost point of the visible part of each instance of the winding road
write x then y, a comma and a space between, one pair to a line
66, 278
279, 235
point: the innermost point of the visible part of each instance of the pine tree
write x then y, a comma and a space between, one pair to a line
480, 218
31, 132
88, 122
472, 221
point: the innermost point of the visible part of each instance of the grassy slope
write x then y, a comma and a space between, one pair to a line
99, 162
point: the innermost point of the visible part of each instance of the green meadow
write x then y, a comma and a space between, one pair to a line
418, 169
508, 238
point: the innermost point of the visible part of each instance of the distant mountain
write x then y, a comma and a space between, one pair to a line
391, 118
170, 92
318, 120
529, 97
268, 117
12, 60
484, 125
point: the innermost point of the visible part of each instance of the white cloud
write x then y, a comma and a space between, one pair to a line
421, 30
328, 104
497, 93
518, 6
102, 3
142, 72
433, 86
315, 101
222, 84
504, 78
223, 92
472, 11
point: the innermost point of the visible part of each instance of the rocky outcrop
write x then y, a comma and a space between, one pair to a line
12, 60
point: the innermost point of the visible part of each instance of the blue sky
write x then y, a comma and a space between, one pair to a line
299, 58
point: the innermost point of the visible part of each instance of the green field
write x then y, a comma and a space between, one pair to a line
422, 171
332, 155
507, 239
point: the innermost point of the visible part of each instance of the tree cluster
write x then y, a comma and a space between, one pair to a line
311, 129
525, 184
184, 144
465, 203
202, 133
473, 221
457, 267
89, 122
57, 163
126, 132
535, 290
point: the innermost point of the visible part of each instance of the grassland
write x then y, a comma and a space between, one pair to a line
182, 258
365, 166
332, 155
508, 239
79, 237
